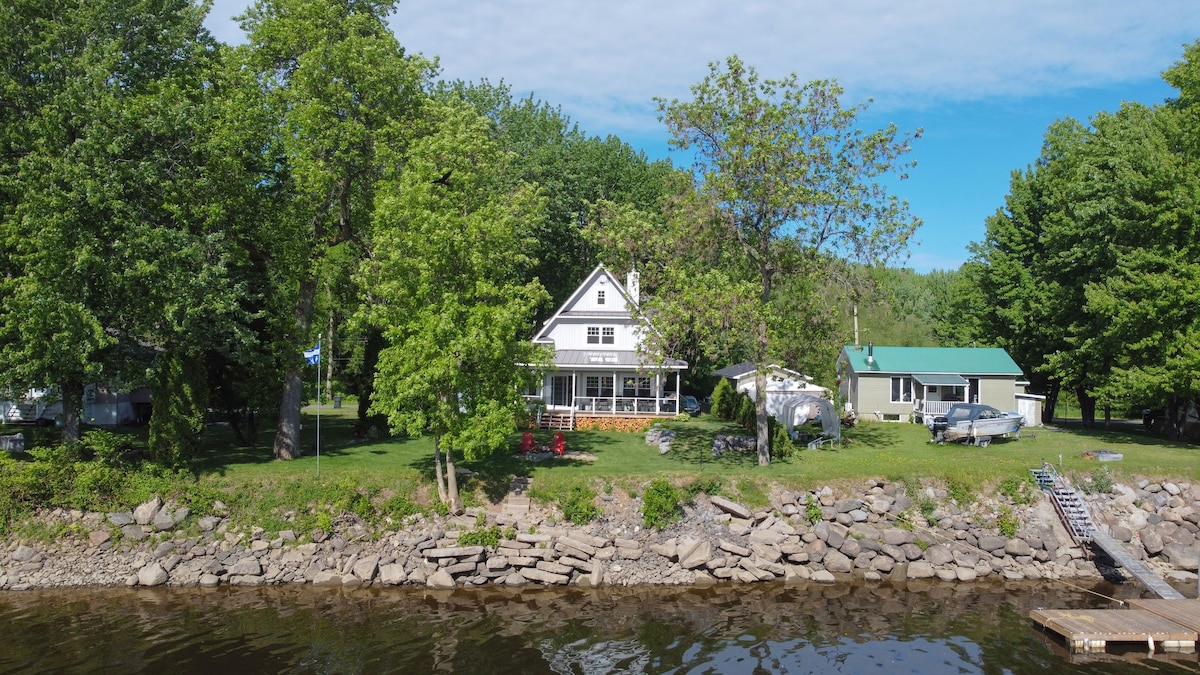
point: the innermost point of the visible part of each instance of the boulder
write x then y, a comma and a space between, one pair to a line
837, 562
1181, 557
440, 579
697, 557
146, 511
731, 507
152, 575
920, 569
248, 566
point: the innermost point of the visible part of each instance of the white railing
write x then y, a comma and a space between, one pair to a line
625, 405
935, 407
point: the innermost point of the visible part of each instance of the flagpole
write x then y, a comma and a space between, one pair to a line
318, 409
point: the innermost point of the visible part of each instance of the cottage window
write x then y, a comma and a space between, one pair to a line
609, 335
597, 386
593, 335
600, 297
635, 386
901, 390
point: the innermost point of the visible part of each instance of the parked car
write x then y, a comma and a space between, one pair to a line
691, 406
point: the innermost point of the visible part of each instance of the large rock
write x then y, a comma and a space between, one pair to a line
697, 557
440, 579
1152, 542
837, 562
248, 566
145, 512
731, 507
1181, 557
992, 544
152, 575
920, 569
392, 574
365, 569
23, 554
1016, 547
939, 555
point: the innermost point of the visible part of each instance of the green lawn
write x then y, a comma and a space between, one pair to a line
871, 450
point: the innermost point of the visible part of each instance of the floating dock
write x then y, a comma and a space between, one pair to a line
1087, 630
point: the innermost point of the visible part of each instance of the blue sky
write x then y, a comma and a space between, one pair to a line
983, 80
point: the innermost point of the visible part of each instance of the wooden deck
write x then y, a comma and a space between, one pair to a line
1183, 612
1092, 629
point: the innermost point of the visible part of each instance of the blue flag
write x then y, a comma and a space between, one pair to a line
313, 355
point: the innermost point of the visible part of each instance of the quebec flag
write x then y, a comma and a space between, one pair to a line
313, 355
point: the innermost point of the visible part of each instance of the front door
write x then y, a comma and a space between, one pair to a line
561, 394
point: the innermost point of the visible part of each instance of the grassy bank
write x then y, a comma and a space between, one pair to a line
377, 479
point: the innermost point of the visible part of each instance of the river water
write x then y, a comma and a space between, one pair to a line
761, 628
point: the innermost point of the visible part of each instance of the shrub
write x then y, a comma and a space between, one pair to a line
576, 501
747, 415
709, 485
1007, 522
660, 504
960, 491
488, 536
812, 510
1021, 490
782, 445
724, 400
1099, 483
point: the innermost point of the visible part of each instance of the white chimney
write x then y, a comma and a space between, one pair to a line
633, 287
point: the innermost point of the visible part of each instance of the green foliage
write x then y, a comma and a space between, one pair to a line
962, 492
747, 414
1100, 482
926, 506
1007, 522
812, 510
1021, 489
724, 399
660, 504
575, 500
177, 424
709, 485
106, 447
400, 507
487, 536
782, 445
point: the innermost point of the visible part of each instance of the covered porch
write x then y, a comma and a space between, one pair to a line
937, 393
591, 384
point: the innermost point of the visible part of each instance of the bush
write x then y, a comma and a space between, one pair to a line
747, 415
1021, 490
488, 536
724, 400
1007, 522
782, 445
812, 510
660, 504
576, 501
709, 485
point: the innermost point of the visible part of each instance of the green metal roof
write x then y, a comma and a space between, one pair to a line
947, 360
940, 379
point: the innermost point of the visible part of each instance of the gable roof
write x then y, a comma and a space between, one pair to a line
932, 360
566, 309
747, 367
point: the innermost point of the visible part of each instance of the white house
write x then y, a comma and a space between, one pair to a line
598, 366
783, 385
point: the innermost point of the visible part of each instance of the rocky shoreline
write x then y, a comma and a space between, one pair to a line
873, 533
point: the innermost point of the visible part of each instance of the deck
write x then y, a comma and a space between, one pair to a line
1092, 629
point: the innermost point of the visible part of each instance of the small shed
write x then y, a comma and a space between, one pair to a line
783, 384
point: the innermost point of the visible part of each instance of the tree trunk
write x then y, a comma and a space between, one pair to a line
1050, 403
287, 433
1175, 414
72, 401
455, 502
327, 351
437, 469
762, 425
1087, 408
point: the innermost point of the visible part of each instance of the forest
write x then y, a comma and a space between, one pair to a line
192, 216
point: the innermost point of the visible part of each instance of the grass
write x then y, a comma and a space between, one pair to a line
393, 477
871, 450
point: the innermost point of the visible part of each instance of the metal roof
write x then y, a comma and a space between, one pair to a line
940, 380
945, 360
608, 359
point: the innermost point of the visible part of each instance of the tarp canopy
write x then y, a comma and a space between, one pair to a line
940, 380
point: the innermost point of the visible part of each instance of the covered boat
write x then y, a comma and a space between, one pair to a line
973, 423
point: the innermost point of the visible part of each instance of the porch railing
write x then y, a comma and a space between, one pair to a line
935, 407
625, 405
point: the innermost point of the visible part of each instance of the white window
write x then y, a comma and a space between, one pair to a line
596, 386
609, 335
593, 335
600, 297
635, 386
901, 390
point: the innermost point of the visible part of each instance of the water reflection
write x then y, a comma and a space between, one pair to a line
762, 628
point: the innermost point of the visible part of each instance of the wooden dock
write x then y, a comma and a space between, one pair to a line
1088, 630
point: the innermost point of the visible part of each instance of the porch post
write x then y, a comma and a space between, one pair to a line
616, 382
574, 373
678, 395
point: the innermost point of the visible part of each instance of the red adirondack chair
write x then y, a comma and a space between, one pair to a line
559, 444
527, 442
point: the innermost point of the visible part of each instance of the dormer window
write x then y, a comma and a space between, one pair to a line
600, 297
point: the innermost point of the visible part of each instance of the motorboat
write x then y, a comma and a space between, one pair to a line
974, 423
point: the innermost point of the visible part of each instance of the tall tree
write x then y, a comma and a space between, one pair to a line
341, 89
448, 275
790, 178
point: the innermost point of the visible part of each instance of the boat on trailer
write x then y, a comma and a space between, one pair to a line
974, 423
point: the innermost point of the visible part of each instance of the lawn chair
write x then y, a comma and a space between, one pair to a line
527, 442
559, 444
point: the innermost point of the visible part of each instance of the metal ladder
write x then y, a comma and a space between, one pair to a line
1074, 513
